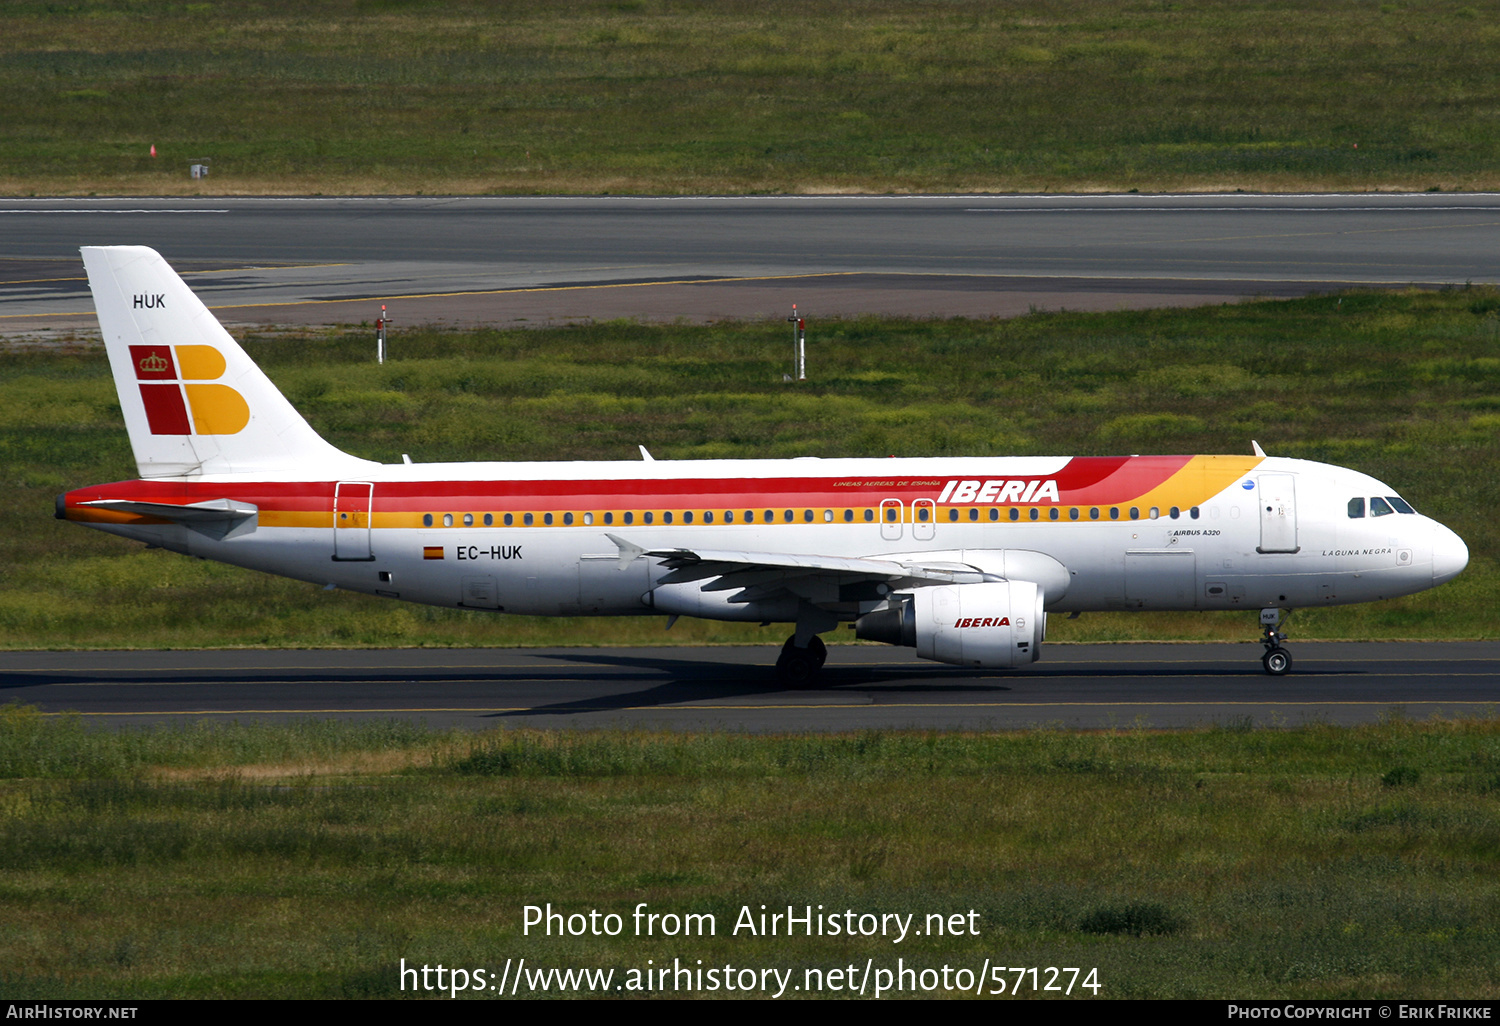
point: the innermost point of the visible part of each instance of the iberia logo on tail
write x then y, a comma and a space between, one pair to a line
176, 386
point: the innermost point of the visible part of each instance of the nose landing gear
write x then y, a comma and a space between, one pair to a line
1277, 660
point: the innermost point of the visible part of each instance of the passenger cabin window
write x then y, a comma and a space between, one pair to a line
1379, 507
426, 519
1356, 508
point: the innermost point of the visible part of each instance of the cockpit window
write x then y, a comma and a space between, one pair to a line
1356, 508
1379, 507
1402, 506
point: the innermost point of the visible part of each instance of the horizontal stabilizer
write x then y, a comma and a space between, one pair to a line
216, 518
212, 511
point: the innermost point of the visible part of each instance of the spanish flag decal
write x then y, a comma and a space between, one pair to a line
432, 552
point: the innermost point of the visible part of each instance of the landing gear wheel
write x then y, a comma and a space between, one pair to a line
818, 650
796, 667
1277, 661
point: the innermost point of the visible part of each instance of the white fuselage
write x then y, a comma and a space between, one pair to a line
1225, 549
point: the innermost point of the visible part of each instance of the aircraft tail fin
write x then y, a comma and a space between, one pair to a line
194, 401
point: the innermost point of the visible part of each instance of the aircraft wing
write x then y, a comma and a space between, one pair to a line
759, 575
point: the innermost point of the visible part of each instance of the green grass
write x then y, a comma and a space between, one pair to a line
679, 96
308, 860
1404, 386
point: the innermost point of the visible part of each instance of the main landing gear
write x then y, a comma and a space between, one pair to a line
796, 667
1277, 660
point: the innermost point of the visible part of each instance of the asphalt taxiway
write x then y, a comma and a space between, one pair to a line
731, 688
548, 260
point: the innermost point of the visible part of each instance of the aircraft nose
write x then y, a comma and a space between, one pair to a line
1449, 554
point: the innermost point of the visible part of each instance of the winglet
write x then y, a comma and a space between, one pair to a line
1258, 450
629, 551
646, 455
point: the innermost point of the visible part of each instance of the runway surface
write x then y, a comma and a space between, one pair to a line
863, 687
509, 261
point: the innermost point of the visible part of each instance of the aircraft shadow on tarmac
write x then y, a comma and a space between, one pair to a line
922, 675
661, 679
687, 673
696, 680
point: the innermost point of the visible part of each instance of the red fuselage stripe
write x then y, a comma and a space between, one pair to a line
1082, 481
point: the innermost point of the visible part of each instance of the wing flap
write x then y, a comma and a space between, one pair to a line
760, 574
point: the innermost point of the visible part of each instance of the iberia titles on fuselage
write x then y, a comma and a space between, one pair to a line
960, 558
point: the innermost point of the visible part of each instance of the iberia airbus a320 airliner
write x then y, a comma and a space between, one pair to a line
959, 558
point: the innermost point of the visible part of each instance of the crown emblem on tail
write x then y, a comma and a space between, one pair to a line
153, 364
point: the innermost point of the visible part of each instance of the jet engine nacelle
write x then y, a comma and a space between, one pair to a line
996, 625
